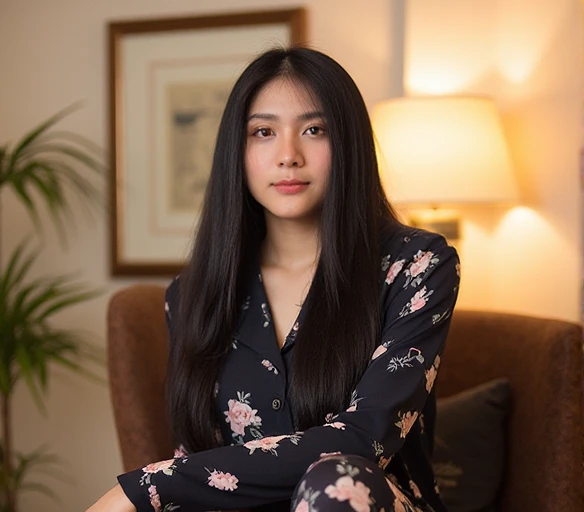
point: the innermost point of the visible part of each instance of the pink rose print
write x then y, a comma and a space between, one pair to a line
380, 350
394, 270
266, 444
222, 481
241, 415
336, 424
302, 506
406, 422
419, 300
357, 493
437, 361
430, 378
154, 498
421, 262
165, 466
352, 408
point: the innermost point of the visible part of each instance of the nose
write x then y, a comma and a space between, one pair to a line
289, 153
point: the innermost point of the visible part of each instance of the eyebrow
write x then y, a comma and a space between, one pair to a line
273, 117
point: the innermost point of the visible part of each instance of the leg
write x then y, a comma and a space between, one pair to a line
345, 483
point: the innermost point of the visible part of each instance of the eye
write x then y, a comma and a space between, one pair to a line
262, 132
315, 130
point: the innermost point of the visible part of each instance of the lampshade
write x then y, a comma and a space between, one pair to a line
443, 151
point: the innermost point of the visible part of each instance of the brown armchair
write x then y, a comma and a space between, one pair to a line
542, 359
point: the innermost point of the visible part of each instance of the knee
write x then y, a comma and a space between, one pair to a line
329, 468
329, 465
337, 482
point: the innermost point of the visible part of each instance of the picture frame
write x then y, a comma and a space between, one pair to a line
169, 80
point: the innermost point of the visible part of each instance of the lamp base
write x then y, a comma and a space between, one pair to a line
445, 222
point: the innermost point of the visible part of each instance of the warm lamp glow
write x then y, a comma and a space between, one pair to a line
444, 151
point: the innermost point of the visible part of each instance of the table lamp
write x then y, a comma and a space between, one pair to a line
443, 152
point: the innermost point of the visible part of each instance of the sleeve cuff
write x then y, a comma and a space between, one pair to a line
136, 493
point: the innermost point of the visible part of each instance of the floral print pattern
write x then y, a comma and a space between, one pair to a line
270, 444
154, 498
417, 302
406, 421
423, 261
355, 399
432, 373
394, 271
303, 506
266, 313
336, 424
180, 452
418, 283
240, 416
270, 366
353, 483
357, 493
306, 497
222, 481
381, 349
405, 361
166, 466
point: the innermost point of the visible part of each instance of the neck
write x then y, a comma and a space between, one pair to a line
290, 244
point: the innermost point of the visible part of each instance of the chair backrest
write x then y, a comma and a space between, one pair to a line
137, 355
542, 358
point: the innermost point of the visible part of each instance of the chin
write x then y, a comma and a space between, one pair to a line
297, 216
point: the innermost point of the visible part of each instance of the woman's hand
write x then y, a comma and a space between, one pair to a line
114, 500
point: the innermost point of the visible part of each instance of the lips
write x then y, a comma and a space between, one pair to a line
290, 187
289, 183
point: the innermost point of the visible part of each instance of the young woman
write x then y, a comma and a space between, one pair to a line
306, 329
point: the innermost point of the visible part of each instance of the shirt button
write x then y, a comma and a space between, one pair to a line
276, 404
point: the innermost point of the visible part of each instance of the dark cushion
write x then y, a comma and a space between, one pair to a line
469, 451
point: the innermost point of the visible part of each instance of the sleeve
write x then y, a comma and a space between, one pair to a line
419, 295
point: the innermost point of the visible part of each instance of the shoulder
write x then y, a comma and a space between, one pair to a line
410, 256
406, 241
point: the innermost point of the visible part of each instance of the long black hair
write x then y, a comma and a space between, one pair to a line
341, 323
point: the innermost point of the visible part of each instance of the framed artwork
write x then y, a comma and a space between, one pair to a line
169, 82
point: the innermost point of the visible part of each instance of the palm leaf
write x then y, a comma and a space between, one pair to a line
30, 343
38, 461
16, 269
35, 133
44, 163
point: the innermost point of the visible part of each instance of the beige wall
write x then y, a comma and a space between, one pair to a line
52, 54
524, 53
527, 55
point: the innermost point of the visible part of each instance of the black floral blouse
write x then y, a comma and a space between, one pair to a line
391, 414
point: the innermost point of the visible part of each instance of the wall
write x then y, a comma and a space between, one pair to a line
527, 55
524, 53
52, 54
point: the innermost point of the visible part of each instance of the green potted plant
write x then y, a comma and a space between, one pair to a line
44, 170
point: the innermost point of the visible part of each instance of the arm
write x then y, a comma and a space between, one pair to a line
418, 302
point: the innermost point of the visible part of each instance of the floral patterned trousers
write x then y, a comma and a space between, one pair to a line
345, 483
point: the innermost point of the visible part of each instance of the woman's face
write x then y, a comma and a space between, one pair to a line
288, 153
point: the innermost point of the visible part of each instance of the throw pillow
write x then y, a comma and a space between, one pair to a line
469, 449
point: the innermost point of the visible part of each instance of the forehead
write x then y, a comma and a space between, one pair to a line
284, 94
